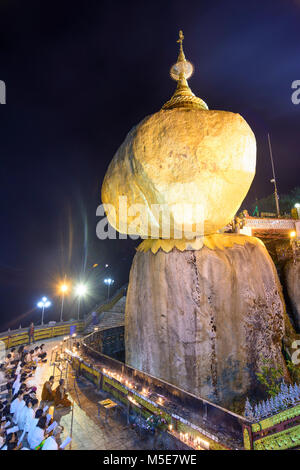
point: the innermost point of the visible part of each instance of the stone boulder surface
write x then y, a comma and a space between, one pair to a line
292, 285
202, 320
177, 158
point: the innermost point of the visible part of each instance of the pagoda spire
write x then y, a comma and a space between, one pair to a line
180, 72
181, 56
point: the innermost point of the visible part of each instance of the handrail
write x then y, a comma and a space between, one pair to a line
20, 336
211, 413
106, 305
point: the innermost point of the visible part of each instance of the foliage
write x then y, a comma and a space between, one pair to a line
270, 376
156, 421
286, 202
294, 371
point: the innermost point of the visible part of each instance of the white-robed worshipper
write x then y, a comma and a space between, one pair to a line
16, 385
30, 416
18, 369
51, 441
20, 405
35, 420
37, 434
14, 404
3, 379
26, 414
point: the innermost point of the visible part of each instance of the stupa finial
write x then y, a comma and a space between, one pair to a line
181, 71
181, 56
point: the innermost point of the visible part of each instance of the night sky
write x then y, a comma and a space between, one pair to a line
79, 76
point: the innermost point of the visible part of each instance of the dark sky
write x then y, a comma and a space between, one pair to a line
79, 75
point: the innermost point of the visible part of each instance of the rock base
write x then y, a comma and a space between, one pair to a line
292, 285
203, 320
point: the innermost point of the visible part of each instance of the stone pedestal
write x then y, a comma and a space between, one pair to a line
202, 320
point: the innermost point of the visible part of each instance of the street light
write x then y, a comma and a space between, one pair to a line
81, 290
44, 303
63, 289
109, 282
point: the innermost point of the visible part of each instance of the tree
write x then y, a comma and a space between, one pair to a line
248, 413
286, 202
270, 376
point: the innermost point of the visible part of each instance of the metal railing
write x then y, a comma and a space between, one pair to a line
106, 305
197, 410
18, 337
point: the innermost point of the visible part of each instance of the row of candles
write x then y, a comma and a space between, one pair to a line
192, 441
128, 384
69, 341
196, 442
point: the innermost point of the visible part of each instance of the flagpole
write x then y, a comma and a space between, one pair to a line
274, 178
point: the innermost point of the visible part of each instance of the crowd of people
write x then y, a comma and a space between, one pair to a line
25, 421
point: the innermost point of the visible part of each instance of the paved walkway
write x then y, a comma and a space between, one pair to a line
89, 433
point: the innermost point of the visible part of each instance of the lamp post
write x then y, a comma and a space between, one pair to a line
109, 282
44, 303
63, 289
80, 291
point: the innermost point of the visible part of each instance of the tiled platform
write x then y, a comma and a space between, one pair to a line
89, 432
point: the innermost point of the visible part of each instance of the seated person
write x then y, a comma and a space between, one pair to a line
47, 392
8, 363
37, 434
14, 354
11, 442
53, 442
16, 400
42, 354
61, 397
35, 420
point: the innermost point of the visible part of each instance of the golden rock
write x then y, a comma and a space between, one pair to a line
186, 164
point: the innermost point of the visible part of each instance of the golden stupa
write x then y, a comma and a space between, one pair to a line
186, 164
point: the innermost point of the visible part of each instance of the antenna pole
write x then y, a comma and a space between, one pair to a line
274, 178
